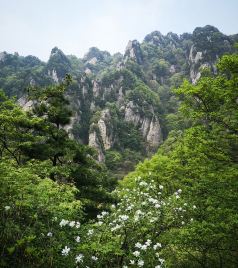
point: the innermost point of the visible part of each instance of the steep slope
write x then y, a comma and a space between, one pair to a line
123, 104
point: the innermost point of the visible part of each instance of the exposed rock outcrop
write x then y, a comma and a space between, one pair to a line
94, 142
133, 52
149, 126
101, 134
120, 99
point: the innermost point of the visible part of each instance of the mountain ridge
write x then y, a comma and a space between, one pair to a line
123, 105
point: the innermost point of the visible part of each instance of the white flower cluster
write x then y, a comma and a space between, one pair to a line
147, 206
141, 249
177, 193
71, 224
90, 232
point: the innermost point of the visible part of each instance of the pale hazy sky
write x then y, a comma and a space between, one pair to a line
36, 26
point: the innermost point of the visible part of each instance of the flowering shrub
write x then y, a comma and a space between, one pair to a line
131, 234
30, 208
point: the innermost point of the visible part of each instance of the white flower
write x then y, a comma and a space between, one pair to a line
115, 227
104, 213
161, 260
77, 239
144, 247
148, 242
183, 222
77, 225
179, 191
191, 219
152, 200
157, 266
132, 262
63, 223
124, 266
113, 206
130, 207
90, 232
161, 187
136, 253
79, 258
139, 212
194, 206
94, 258
49, 234
7, 208
65, 251
143, 183
72, 223
157, 206
124, 217
158, 245
138, 245
140, 263
100, 223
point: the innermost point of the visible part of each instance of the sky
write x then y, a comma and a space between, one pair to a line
34, 27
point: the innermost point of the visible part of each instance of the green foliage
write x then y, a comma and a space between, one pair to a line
202, 162
145, 98
214, 41
96, 60
132, 233
39, 134
161, 68
30, 205
214, 100
128, 81
48, 181
17, 73
59, 63
113, 158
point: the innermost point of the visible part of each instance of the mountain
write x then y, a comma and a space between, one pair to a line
123, 105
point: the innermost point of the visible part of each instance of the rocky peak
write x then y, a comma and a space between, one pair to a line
211, 41
149, 126
94, 54
172, 39
101, 134
207, 30
133, 52
208, 45
58, 65
57, 54
155, 38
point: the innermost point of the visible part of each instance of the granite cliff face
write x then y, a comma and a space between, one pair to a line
133, 52
122, 102
208, 45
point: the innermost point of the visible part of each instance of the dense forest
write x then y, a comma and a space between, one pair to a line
122, 160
